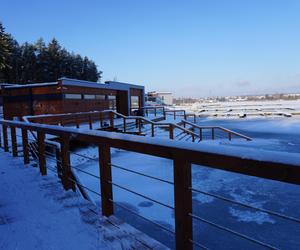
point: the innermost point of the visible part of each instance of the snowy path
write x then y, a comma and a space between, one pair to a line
36, 213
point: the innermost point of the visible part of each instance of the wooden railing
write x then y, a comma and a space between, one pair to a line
180, 113
183, 155
155, 109
101, 116
174, 112
229, 132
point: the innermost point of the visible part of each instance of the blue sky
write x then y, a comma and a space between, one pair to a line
192, 48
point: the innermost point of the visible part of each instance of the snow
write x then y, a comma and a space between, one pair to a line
36, 213
253, 191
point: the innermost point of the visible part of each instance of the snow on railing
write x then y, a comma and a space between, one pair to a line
109, 115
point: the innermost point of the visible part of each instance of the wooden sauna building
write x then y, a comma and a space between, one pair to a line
70, 95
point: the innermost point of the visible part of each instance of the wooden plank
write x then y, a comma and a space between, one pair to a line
5, 138
65, 163
90, 122
41, 152
152, 130
25, 146
105, 180
183, 204
171, 131
14, 141
284, 172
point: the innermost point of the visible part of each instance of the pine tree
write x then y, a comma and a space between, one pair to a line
4, 48
34, 63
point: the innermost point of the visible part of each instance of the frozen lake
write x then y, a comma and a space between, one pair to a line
277, 134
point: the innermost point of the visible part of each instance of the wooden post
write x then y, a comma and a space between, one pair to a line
171, 132
124, 124
229, 136
0, 140
183, 204
213, 133
77, 121
174, 112
194, 118
193, 137
152, 129
65, 163
200, 134
154, 111
5, 138
41, 152
58, 162
105, 180
14, 141
140, 125
184, 124
111, 120
147, 112
25, 146
90, 122
101, 120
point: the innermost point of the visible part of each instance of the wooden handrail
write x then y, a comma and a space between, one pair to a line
217, 127
244, 161
109, 112
196, 154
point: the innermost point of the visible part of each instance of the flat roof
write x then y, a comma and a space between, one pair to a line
81, 83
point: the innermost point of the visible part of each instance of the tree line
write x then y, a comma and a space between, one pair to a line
40, 62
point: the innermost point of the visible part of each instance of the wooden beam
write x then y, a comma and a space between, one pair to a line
14, 141
41, 152
65, 163
5, 138
25, 146
183, 204
105, 180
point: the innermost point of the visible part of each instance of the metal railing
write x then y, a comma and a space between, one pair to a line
182, 157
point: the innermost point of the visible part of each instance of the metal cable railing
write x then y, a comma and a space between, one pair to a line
88, 173
49, 156
258, 242
141, 195
139, 173
133, 212
199, 245
248, 206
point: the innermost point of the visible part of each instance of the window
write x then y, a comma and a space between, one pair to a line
135, 102
73, 96
112, 102
100, 97
89, 97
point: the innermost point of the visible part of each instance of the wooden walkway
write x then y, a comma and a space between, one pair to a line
37, 213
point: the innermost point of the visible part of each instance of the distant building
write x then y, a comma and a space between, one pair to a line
162, 98
70, 95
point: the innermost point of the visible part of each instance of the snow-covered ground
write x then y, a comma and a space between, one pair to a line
36, 213
276, 134
248, 108
273, 134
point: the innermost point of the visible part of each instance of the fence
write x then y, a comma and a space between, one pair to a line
108, 118
182, 156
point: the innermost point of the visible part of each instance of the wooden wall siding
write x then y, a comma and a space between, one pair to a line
137, 92
50, 100
18, 109
122, 102
53, 89
71, 106
83, 90
47, 107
